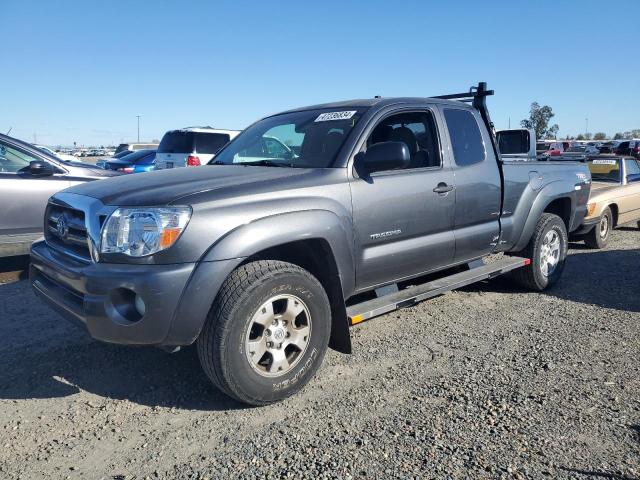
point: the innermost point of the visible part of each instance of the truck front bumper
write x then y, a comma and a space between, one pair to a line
164, 305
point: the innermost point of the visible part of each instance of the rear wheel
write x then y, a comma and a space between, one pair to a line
547, 250
598, 237
267, 332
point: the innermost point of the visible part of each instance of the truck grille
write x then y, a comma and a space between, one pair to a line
66, 231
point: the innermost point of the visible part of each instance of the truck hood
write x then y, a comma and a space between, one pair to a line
163, 187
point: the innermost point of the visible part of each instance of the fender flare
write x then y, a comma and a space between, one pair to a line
549, 193
266, 232
248, 239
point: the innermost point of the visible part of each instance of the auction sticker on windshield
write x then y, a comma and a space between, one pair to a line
604, 161
325, 117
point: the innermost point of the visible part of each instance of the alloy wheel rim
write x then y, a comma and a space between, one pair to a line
550, 253
278, 335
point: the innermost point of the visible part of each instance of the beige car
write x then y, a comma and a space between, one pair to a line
614, 198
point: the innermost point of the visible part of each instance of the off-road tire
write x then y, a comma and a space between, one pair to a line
595, 239
221, 344
531, 276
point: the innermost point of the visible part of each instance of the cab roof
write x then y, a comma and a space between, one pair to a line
377, 102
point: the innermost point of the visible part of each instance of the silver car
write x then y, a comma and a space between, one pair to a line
28, 177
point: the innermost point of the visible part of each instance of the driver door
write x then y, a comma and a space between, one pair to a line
403, 219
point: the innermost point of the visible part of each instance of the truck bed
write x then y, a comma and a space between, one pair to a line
528, 184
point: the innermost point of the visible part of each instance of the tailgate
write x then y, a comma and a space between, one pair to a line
170, 160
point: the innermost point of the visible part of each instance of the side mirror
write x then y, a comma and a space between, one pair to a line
383, 156
634, 177
40, 169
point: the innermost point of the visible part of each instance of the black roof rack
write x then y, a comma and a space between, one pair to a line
477, 96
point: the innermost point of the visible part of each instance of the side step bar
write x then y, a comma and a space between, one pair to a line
405, 298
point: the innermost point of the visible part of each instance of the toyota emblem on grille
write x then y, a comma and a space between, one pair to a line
62, 227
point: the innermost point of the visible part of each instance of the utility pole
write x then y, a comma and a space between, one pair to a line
509, 122
586, 128
138, 116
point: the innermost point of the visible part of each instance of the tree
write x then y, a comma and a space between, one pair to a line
538, 120
587, 136
600, 136
618, 136
580, 137
635, 133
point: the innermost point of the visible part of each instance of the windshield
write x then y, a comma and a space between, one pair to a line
306, 139
605, 170
580, 149
542, 146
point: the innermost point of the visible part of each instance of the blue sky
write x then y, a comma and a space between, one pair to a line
81, 71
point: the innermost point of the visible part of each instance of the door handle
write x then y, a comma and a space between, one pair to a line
443, 188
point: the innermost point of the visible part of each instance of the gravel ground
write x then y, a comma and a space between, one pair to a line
487, 382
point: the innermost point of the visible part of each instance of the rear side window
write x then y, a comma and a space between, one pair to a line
210, 142
465, 135
176, 142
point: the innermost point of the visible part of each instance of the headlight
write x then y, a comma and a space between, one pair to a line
138, 232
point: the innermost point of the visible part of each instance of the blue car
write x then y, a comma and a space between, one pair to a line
135, 162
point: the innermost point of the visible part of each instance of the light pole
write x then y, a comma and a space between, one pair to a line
586, 128
138, 117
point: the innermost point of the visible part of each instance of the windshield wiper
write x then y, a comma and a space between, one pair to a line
259, 163
267, 163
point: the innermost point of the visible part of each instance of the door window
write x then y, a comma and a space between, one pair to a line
417, 130
632, 167
466, 139
12, 160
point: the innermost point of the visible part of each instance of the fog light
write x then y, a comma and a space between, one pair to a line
125, 307
140, 306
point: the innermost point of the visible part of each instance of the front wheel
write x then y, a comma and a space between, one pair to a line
598, 237
267, 332
547, 250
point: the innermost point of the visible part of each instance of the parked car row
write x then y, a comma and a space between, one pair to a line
185, 147
552, 148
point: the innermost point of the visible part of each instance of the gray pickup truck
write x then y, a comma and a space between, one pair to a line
267, 255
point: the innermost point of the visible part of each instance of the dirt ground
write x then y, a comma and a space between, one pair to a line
487, 382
